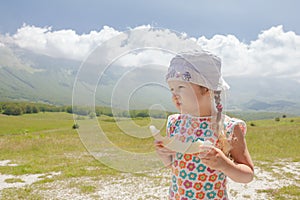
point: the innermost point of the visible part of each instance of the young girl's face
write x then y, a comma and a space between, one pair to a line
190, 98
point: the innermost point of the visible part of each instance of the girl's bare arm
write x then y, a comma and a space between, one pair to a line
241, 169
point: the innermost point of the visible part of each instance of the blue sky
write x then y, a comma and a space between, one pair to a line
244, 19
257, 37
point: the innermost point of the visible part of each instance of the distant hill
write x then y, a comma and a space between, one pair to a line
281, 105
264, 94
28, 76
32, 77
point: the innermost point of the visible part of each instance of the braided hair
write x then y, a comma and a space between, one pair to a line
223, 142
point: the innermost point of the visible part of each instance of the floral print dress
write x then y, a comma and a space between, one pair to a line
191, 179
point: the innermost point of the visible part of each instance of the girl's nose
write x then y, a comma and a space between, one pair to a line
174, 95
175, 92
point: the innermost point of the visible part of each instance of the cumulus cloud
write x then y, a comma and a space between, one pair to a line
275, 52
68, 44
62, 43
147, 56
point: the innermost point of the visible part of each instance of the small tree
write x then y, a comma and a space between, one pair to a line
277, 119
92, 115
142, 114
28, 109
75, 126
69, 109
283, 116
12, 110
42, 109
35, 109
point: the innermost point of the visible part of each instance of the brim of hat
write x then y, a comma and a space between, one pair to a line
222, 85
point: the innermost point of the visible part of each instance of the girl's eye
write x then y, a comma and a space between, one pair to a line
181, 86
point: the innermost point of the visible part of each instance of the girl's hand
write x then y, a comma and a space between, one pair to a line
213, 157
164, 153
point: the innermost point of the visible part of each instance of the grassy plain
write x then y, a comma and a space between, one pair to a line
45, 142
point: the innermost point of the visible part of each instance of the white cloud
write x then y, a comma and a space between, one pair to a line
68, 44
147, 56
62, 43
275, 52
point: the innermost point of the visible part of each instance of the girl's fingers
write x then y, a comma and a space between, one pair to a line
205, 151
158, 143
165, 150
206, 147
202, 155
160, 148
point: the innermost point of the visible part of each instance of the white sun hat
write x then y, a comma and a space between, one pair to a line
198, 67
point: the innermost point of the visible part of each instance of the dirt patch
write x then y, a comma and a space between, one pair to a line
7, 163
7, 180
155, 186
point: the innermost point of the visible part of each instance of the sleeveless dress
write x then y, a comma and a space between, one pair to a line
191, 179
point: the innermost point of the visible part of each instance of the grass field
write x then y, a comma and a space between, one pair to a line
270, 140
44, 143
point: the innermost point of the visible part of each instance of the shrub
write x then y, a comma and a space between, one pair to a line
92, 115
12, 110
277, 119
142, 114
28, 109
35, 109
75, 126
69, 109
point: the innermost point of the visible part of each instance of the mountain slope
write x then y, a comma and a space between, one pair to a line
25, 75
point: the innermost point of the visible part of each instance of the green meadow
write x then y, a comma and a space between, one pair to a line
43, 143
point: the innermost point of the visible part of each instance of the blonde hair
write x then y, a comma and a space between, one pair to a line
218, 126
223, 142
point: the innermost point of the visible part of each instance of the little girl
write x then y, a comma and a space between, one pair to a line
195, 81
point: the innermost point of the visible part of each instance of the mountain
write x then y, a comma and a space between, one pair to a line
275, 106
264, 94
29, 76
